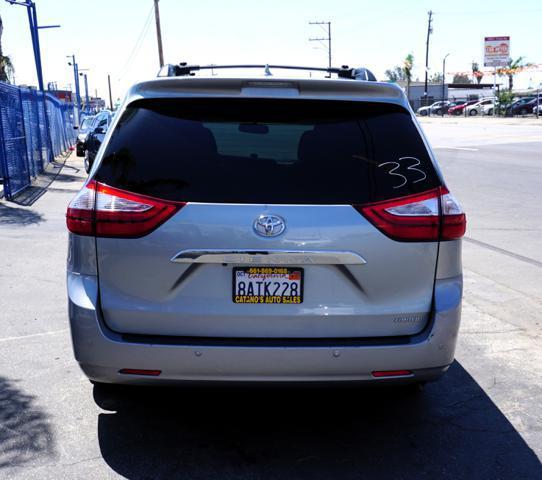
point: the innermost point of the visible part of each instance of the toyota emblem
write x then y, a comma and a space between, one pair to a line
269, 225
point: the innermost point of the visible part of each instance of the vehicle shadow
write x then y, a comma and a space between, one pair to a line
18, 216
25, 433
450, 430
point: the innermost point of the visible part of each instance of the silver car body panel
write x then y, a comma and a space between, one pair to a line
370, 303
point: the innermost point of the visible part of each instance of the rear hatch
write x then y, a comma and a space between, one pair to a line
289, 188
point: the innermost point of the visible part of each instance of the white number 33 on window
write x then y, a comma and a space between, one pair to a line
402, 169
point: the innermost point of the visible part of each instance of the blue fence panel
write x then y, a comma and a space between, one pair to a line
14, 154
32, 131
47, 154
35, 127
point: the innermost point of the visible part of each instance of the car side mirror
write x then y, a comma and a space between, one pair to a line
75, 127
99, 130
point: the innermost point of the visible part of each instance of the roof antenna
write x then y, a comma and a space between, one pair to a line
266, 71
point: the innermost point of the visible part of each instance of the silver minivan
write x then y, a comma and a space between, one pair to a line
264, 230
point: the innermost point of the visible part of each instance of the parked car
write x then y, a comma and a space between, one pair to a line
522, 106
84, 129
230, 231
96, 136
476, 108
488, 108
538, 109
458, 109
437, 108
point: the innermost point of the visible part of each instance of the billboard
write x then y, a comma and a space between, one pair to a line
496, 51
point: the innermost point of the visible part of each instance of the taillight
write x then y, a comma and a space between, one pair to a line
422, 217
106, 211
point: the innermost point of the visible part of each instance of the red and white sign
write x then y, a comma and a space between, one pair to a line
496, 51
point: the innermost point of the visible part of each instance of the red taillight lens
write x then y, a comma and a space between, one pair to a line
138, 371
392, 373
105, 211
423, 217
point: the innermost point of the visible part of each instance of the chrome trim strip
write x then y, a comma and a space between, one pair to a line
269, 257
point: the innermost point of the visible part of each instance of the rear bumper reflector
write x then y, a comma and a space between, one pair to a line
392, 373
135, 371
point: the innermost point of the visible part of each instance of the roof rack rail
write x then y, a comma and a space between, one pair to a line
183, 69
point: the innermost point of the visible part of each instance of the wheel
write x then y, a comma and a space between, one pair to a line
473, 112
79, 151
490, 111
439, 112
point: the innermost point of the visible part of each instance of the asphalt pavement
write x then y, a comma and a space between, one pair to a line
481, 420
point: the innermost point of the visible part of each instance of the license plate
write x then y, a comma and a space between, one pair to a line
282, 285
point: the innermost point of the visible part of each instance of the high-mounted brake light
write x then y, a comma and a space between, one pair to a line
105, 211
423, 217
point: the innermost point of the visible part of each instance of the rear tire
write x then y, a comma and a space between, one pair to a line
473, 112
87, 163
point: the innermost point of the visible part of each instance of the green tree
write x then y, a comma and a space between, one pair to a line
436, 78
476, 73
461, 78
408, 64
504, 98
513, 67
395, 74
402, 73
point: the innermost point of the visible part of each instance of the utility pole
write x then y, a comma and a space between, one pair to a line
324, 39
444, 76
429, 32
158, 33
110, 96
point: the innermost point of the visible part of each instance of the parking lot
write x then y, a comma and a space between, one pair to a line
481, 420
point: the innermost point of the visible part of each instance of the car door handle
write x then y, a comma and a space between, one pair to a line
271, 257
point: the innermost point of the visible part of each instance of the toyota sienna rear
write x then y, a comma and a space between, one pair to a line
264, 230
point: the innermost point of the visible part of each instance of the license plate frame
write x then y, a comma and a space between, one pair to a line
273, 274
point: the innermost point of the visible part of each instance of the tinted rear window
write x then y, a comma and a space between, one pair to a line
267, 151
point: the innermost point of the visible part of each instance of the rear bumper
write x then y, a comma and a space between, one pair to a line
101, 352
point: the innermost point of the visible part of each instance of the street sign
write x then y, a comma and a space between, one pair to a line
496, 51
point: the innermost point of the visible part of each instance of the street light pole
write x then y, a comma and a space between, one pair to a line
77, 103
87, 101
34, 33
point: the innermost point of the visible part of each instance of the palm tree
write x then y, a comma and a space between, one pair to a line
476, 73
513, 67
408, 63
6, 67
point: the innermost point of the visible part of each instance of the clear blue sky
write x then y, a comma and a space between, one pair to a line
104, 33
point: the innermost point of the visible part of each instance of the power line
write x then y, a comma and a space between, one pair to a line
138, 43
324, 39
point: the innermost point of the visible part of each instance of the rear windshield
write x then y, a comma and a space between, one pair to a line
267, 151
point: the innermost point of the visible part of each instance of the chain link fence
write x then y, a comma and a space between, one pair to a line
35, 127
